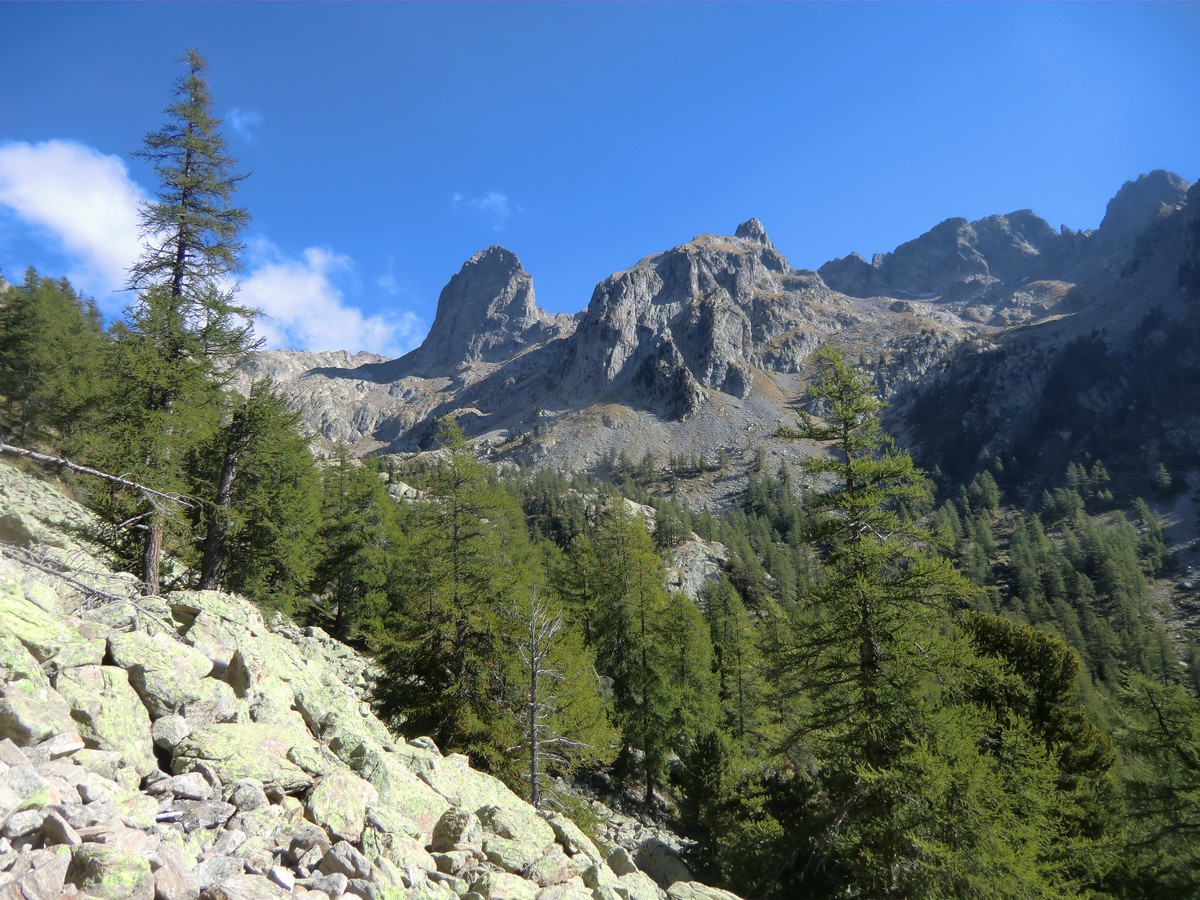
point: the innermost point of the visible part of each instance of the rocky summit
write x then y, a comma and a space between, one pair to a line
186, 746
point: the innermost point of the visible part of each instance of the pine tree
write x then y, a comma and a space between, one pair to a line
742, 688
361, 540
563, 716
629, 616
1159, 735
261, 530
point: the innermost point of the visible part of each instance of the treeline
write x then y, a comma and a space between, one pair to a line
879, 697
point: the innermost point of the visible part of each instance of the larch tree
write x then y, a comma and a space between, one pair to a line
50, 342
467, 559
632, 638
905, 799
185, 325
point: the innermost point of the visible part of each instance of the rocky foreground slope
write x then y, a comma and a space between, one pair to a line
184, 746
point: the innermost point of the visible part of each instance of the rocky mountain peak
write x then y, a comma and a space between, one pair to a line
1138, 203
487, 313
753, 231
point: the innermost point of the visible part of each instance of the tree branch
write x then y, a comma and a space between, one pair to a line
155, 497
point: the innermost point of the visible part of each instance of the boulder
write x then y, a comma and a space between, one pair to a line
43, 632
37, 874
574, 889
30, 709
165, 673
661, 862
237, 751
639, 886
455, 827
572, 839
245, 887
168, 731
401, 790
339, 802
694, 890
110, 873
31, 790
504, 886
344, 858
110, 713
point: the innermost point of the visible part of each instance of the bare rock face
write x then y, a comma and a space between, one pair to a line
985, 261
1137, 204
953, 253
700, 317
486, 314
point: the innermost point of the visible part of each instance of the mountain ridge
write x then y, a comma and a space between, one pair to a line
703, 347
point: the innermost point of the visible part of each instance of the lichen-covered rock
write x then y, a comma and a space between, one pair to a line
456, 826
401, 790
165, 673
36, 874
31, 789
30, 709
216, 869
168, 731
339, 802
247, 795
110, 873
247, 750
44, 633
245, 887
621, 862
504, 886
344, 858
694, 890
661, 862
110, 714
509, 855
552, 867
639, 886
574, 889
572, 839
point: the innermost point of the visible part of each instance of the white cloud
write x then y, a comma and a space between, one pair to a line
244, 121
86, 203
308, 311
388, 283
493, 205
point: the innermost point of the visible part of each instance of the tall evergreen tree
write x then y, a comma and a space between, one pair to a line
467, 559
50, 343
361, 541
185, 327
629, 623
260, 526
905, 803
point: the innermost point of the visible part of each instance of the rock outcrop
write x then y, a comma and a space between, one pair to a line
982, 262
700, 316
487, 314
185, 747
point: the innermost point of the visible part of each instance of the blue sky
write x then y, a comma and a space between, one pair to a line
388, 142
